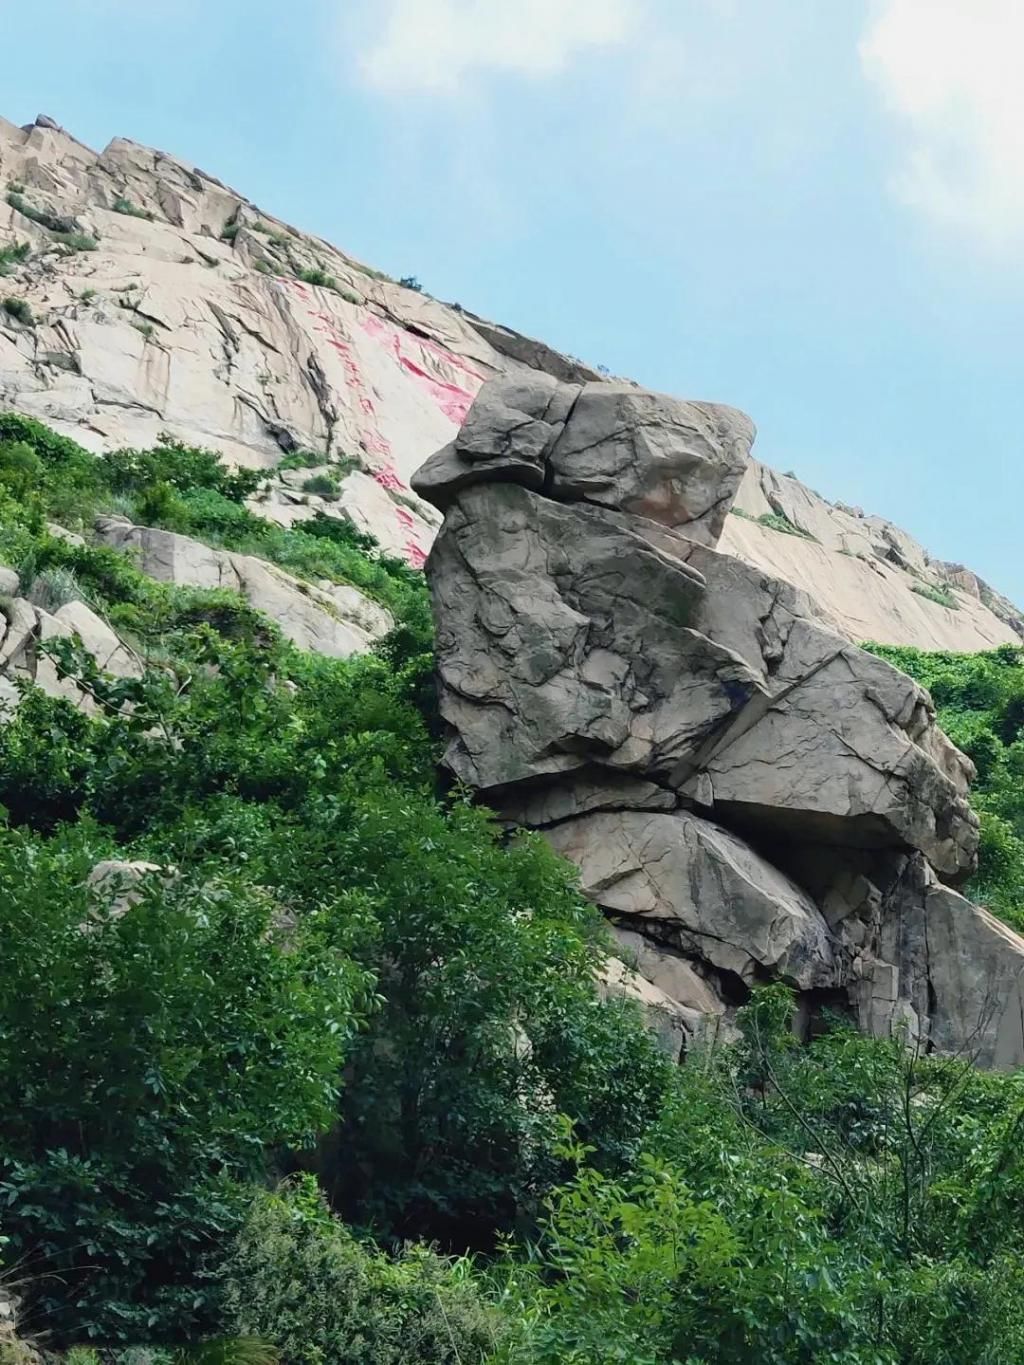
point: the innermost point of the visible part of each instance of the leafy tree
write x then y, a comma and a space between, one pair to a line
150, 1054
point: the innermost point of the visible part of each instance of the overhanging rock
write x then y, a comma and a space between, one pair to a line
741, 788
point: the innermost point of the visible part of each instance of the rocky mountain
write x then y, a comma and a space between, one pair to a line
747, 795
143, 296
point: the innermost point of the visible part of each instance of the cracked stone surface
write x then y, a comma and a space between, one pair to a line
945, 973
563, 637
701, 890
747, 795
613, 445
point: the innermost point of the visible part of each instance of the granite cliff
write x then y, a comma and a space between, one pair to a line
142, 295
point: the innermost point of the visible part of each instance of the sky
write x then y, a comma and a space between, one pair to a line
810, 209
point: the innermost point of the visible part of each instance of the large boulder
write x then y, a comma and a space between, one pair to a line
689, 883
944, 974
614, 445
564, 636
843, 750
747, 795
26, 628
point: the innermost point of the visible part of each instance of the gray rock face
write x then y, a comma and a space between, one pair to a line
701, 890
24, 630
746, 795
677, 464
944, 973
564, 636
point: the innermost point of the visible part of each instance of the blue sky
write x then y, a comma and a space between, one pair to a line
812, 209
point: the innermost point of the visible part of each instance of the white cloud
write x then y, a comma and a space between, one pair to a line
434, 45
950, 70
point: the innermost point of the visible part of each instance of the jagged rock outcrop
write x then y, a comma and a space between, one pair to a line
611, 445
161, 300
746, 794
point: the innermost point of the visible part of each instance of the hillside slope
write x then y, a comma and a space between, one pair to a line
149, 297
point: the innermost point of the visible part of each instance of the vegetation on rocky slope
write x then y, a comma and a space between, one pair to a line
341, 975
980, 703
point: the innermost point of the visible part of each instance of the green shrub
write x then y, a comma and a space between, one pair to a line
230, 231
411, 282
20, 310
318, 276
300, 1279
54, 588
774, 521
941, 594
20, 468
122, 205
73, 242
144, 1059
13, 254
301, 459
186, 468
323, 485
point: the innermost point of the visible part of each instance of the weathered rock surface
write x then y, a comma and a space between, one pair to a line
116, 885
944, 973
870, 577
336, 619
747, 795
25, 628
190, 316
677, 464
671, 1023
701, 890
563, 635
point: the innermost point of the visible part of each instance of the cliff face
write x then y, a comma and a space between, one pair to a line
747, 795
160, 300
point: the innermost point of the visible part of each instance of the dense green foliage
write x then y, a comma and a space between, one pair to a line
339, 974
843, 1202
980, 704
301, 789
143, 1057
186, 490
299, 1278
